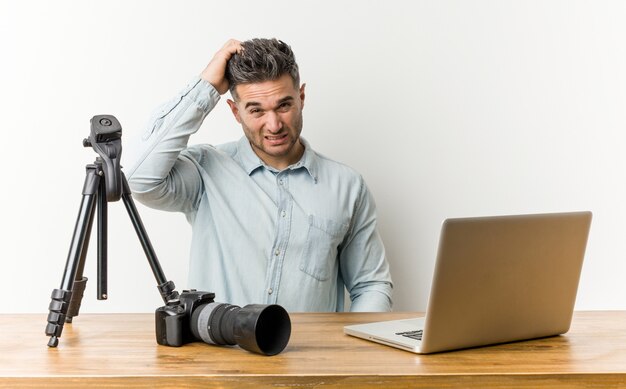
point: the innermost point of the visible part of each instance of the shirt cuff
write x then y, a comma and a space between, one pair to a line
376, 299
202, 93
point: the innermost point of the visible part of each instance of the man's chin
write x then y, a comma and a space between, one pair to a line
286, 150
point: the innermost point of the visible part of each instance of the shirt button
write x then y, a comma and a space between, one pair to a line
283, 214
280, 182
270, 291
277, 252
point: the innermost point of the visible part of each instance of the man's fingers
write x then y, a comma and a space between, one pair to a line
214, 73
232, 46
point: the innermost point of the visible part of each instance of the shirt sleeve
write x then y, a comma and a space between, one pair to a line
363, 262
162, 176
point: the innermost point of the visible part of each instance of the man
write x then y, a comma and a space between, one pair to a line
273, 221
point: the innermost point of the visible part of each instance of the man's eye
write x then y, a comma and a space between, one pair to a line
284, 107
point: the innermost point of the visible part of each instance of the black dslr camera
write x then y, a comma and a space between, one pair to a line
195, 316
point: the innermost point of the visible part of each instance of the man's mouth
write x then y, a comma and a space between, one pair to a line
276, 139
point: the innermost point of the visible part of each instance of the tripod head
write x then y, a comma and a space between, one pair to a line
106, 139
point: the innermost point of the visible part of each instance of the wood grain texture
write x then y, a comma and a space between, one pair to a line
119, 350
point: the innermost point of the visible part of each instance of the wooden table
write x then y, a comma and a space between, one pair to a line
119, 350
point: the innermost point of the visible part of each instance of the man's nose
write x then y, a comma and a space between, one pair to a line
273, 122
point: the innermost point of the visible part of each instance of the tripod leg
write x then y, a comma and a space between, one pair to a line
80, 282
61, 297
102, 242
166, 288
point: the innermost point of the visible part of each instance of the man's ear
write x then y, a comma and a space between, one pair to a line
302, 94
234, 109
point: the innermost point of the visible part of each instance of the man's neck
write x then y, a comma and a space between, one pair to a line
282, 162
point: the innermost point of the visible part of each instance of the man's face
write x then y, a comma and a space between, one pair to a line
270, 113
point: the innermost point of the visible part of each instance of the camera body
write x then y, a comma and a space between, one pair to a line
173, 321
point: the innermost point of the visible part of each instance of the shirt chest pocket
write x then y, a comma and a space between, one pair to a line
322, 245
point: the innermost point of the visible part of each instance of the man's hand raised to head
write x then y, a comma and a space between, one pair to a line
215, 71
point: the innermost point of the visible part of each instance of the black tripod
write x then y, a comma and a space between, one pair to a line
104, 182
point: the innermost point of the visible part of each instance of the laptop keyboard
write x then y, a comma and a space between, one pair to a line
417, 335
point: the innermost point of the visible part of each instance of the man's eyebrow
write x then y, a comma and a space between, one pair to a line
252, 104
257, 104
285, 99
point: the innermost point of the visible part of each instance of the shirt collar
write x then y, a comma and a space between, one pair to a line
251, 162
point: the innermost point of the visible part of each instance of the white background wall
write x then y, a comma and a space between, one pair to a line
448, 108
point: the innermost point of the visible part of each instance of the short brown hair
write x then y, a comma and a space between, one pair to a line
261, 60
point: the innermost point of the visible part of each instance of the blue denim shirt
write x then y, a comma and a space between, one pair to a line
294, 237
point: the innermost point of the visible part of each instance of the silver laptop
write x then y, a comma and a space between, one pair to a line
497, 279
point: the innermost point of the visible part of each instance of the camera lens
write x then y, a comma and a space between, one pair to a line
263, 329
